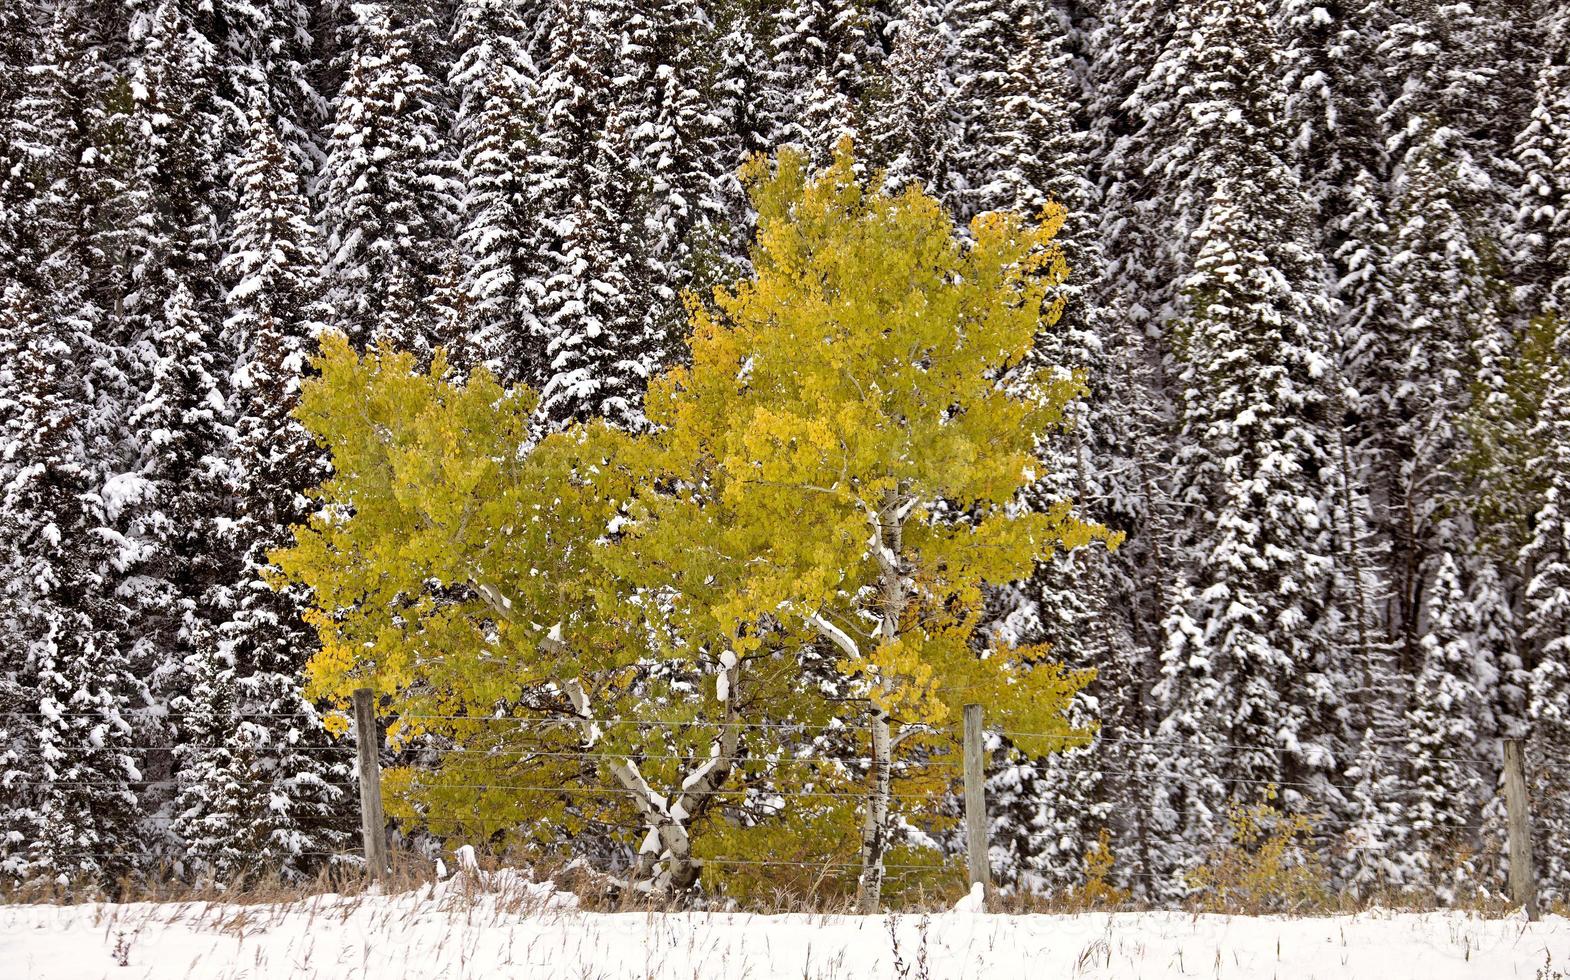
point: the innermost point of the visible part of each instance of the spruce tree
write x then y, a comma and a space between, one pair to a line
1374, 860
1546, 613
599, 353
17, 178
496, 128
1248, 637
1252, 465
1454, 104
822, 53
1438, 356
914, 130
1446, 726
1133, 112
387, 191
739, 76
737, 104
1042, 153
68, 768
984, 43
660, 143
1451, 66
164, 479
72, 689
1334, 92
1129, 421
263, 54
1541, 230
257, 788
68, 693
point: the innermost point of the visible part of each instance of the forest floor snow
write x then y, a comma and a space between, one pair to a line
436, 932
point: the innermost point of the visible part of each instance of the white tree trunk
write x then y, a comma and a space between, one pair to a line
665, 860
875, 824
666, 839
886, 542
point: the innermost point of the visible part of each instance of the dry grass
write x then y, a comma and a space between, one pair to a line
1251, 889
161, 885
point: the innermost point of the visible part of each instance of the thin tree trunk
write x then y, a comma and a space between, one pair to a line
667, 838
887, 540
875, 824
670, 824
1355, 561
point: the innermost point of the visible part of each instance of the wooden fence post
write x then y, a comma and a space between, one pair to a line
1523, 880
373, 823
976, 802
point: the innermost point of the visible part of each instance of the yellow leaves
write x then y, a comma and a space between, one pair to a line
400, 801
333, 672
1267, 864
1096, 892
336, 723
780, 445
432, 492
872, 374
879, 354
869, 344
901, 680
1050, 222
327, 669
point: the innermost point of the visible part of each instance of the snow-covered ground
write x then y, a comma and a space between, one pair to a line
432, 934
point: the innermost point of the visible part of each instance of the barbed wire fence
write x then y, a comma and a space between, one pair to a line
364, 784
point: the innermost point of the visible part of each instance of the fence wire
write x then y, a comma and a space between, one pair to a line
764, 797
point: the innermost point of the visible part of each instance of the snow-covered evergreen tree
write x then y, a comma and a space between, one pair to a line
1372, 859
1542, 151
596, 199
1247, 662
163, 478
496, 127
914, 129
17, 187
1335, 92
1043, 145
663, 145
19, 29
387, 190
1453, 95
822, 53
68, 691
984, 43
1043, 155
738, 104
1546, 613
1437, 355
1452, 66
257, 788
68, 770
263, 53
1446, 724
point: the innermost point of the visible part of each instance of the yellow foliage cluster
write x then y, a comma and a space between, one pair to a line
1266, 865
877, 352
877, 366
1097, 892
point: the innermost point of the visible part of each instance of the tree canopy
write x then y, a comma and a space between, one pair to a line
839, 464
